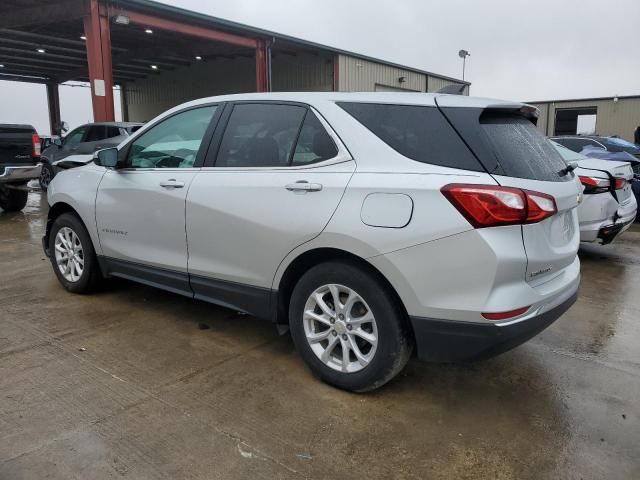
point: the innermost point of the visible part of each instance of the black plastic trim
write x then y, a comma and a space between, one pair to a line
176, 282
453, 341
237, 296
257, 301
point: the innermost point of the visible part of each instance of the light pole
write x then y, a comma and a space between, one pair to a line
463, 54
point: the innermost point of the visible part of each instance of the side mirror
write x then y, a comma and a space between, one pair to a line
107, 157
64, 127
57, 141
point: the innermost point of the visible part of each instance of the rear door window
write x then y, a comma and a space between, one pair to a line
314, 143
418, 132
260, 135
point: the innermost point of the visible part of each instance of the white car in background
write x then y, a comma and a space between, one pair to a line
609, 206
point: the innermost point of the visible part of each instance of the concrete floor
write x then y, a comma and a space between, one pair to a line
125, 384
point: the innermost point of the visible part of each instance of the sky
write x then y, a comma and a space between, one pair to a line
520, 50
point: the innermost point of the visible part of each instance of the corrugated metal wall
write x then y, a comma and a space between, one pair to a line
301, 73
613, 118
149, 97
357, 75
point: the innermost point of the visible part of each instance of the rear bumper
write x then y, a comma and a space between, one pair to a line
14, 174
452, 341
603, 218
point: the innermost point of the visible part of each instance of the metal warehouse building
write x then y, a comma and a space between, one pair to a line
161, 56
613, 115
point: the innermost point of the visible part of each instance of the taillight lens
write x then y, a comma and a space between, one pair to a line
35, 145
620, 183
594, 185
492, 206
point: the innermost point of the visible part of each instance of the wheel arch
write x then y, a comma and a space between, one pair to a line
310, 258
55, 211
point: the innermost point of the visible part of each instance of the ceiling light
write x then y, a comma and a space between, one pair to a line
198, 57
148, 30
40, 50
154, 67
82, 37
121, 20
1, 65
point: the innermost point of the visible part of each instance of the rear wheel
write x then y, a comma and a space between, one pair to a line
72, 255
12, 200
348, 328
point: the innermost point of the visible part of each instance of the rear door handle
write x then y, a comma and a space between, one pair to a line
172, 183
303, 186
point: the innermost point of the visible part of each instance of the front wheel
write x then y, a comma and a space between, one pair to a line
348, 327
46, 175
12, 199
72, 255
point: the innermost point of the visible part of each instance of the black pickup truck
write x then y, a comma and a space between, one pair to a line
19, 163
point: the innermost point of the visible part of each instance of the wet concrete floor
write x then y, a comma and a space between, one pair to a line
124, 383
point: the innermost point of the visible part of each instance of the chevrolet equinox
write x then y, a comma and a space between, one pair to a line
369, 224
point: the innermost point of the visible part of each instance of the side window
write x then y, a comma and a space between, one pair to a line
75, 137
418, 132
314, 143
95, 133
111, 132
260, 135
173, 143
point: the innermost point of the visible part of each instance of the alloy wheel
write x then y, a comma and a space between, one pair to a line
69, 254
340, 328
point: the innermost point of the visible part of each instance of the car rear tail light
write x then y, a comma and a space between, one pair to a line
35, 145
505, 315
620, 183
492, 206
594, 185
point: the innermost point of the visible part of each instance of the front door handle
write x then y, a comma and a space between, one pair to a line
172, 183
303, 186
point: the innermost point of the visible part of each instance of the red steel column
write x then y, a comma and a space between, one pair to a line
261, 66
97, 31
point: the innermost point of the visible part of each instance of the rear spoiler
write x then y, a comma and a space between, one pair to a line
453, 89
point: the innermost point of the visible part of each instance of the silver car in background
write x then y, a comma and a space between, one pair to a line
366, 223
609, 206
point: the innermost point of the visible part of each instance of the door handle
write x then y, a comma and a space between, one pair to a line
303, 186
172, 183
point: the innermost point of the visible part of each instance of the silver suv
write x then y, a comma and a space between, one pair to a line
366, 223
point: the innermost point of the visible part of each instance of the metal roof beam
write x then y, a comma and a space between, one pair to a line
38, 61
22, 78
209, 33
47, 54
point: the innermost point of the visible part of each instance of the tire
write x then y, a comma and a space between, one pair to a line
389, 341
73, 232
46, 175
12, 200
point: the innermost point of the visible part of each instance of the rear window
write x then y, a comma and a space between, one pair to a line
507, 143
520, 149
419, 133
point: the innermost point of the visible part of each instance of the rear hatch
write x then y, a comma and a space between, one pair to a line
16, 145
506, 141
